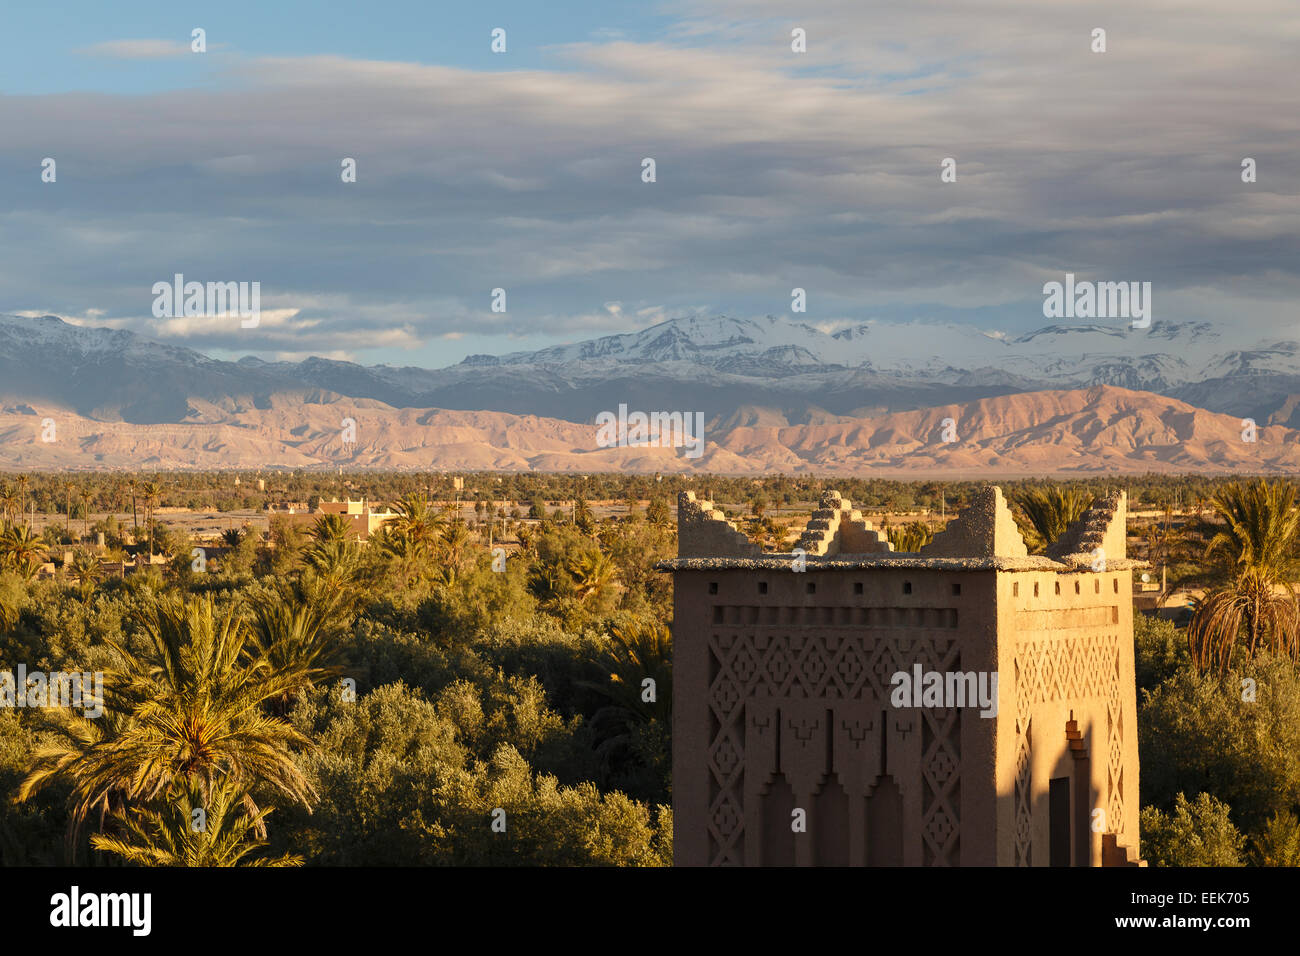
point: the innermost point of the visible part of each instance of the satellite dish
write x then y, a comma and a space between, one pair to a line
1145, 577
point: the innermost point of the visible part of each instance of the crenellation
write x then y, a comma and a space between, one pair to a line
1100, 533
784, 676
704, 530
836, 528
985, 528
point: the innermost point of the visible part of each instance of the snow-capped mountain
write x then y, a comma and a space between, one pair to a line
1167, 353
717, 364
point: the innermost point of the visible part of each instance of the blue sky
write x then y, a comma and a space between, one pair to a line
522, 170
46, 46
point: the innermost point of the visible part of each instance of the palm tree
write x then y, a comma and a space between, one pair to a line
151, 492
1051, 510
85, 496
20, 550
911, 537
135, 515
1246, 610
549, 582
416, 520
639, 689
582, 516
1261, 521
88, 570
8, 502
524, 535
338, 561
22, 495
187, 712
331, 527
638, 651
228, 832
333, 552
1257, 606
295, 629
454, 541
592, 573
409, 557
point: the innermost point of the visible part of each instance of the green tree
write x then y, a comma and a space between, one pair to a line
658, 513
1278, 844
1236, 736
1051, 510
295, 629
333, 551
1160, 651
911, 537
187, 711
86, 566
21, 551
1197, 833
194, 828
1256, 609
417, 522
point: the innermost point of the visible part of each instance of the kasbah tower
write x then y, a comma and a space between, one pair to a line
789, 751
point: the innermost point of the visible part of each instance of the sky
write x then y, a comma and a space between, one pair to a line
523, 170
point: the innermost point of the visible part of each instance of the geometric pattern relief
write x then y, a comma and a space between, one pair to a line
940, 797
1115, 760
1065, 668
830, 667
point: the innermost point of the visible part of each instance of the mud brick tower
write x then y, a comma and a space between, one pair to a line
782, 684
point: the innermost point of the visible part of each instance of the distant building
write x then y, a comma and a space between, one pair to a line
797, 742
363, 521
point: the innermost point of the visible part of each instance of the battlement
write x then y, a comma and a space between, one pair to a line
836, 528
983, 536
704, 530
787, 672
984, 529
1100, 533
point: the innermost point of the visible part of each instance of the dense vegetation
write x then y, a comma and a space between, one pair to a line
75, 495
329, 702
423, 699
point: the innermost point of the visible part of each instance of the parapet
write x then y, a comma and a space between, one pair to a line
836, 528
704, 531
984, 536
985, 529
1100, 532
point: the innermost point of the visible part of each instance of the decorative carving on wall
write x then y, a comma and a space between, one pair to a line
1066, 668
812, 709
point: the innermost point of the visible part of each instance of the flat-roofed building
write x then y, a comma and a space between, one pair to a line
362, 520
970, 704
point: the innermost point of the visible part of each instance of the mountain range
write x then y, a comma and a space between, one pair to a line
776, 395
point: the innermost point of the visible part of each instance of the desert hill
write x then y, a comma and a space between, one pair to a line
1102, 429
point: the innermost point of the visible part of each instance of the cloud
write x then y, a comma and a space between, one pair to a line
774, 170
139, 49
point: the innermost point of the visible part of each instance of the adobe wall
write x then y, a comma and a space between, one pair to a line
782, 693
1066, 656
782, 700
